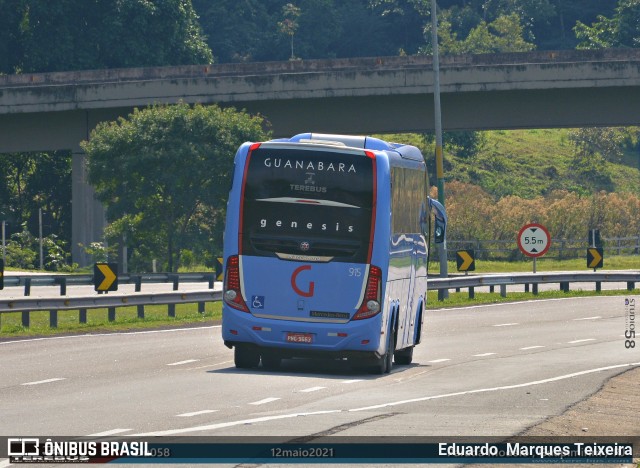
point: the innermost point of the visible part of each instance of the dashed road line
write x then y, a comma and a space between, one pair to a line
587, 318
352, 381
264, 401
483, 354
109, 433
436, 361
527, 348
581, 341
188, 361
241, 422
44, 381
196, 413
312, 389
505, 324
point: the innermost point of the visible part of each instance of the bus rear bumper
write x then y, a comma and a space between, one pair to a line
288, 353
359, 339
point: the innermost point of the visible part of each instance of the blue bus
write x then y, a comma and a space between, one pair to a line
325, 251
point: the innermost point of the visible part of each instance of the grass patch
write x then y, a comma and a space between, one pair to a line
618, 262
97, 320
459, 299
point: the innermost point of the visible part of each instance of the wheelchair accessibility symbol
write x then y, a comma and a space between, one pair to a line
257, 302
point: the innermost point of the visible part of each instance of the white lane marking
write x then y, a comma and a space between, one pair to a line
312, 389
209, 365
44, 381
531, 347
483, 354
188, 361
196, 413
436, 361
505, 324
495, 389
232, 423
483, 306
588, 318
266, 400
395, 403
581, 341
108, 433
352, 381
99, 335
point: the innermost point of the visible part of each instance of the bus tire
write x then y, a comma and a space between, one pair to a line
246, 357
271, 361
403, 357
385, 363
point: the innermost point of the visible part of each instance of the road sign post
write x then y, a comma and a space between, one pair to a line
534, 241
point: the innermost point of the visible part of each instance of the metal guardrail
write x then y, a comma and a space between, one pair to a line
112, 301
533, 279
86, 280
560, 248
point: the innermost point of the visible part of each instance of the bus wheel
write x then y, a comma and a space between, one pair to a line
271, 361
404, 356
384, 364
246, 357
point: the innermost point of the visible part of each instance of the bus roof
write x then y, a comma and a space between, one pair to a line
364, 142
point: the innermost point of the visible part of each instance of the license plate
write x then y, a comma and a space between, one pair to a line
299, 337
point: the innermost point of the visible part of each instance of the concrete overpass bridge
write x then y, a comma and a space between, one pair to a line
53, 111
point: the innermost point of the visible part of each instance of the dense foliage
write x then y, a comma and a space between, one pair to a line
45, 36
476, 215
41, 35
166, 193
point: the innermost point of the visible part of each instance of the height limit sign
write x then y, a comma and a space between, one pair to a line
534, 241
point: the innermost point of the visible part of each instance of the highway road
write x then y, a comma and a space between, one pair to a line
481, 371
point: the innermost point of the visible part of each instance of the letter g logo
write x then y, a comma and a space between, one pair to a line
294, 276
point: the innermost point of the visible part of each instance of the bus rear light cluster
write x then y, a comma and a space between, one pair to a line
232, 288
372, 296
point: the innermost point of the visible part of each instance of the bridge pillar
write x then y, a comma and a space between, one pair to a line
88, 214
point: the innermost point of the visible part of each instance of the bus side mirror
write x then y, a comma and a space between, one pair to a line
440, 215
439, 231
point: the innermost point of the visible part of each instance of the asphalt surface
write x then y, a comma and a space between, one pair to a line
480, 371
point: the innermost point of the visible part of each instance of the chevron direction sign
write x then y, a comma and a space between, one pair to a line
534, 240
595, 257
105, 276
465, 260
218, 268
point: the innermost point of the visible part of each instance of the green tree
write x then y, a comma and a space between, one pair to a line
504, 34
289, 23
594, 147
621, 30
86, 34
163, 174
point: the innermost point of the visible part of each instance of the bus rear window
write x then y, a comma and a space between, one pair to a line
307, 204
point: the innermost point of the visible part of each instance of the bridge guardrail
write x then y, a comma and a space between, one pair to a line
26, 305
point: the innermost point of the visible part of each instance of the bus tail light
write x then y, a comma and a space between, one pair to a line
371, 303
232, 288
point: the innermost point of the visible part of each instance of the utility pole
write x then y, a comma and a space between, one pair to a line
40, 232
442, 248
